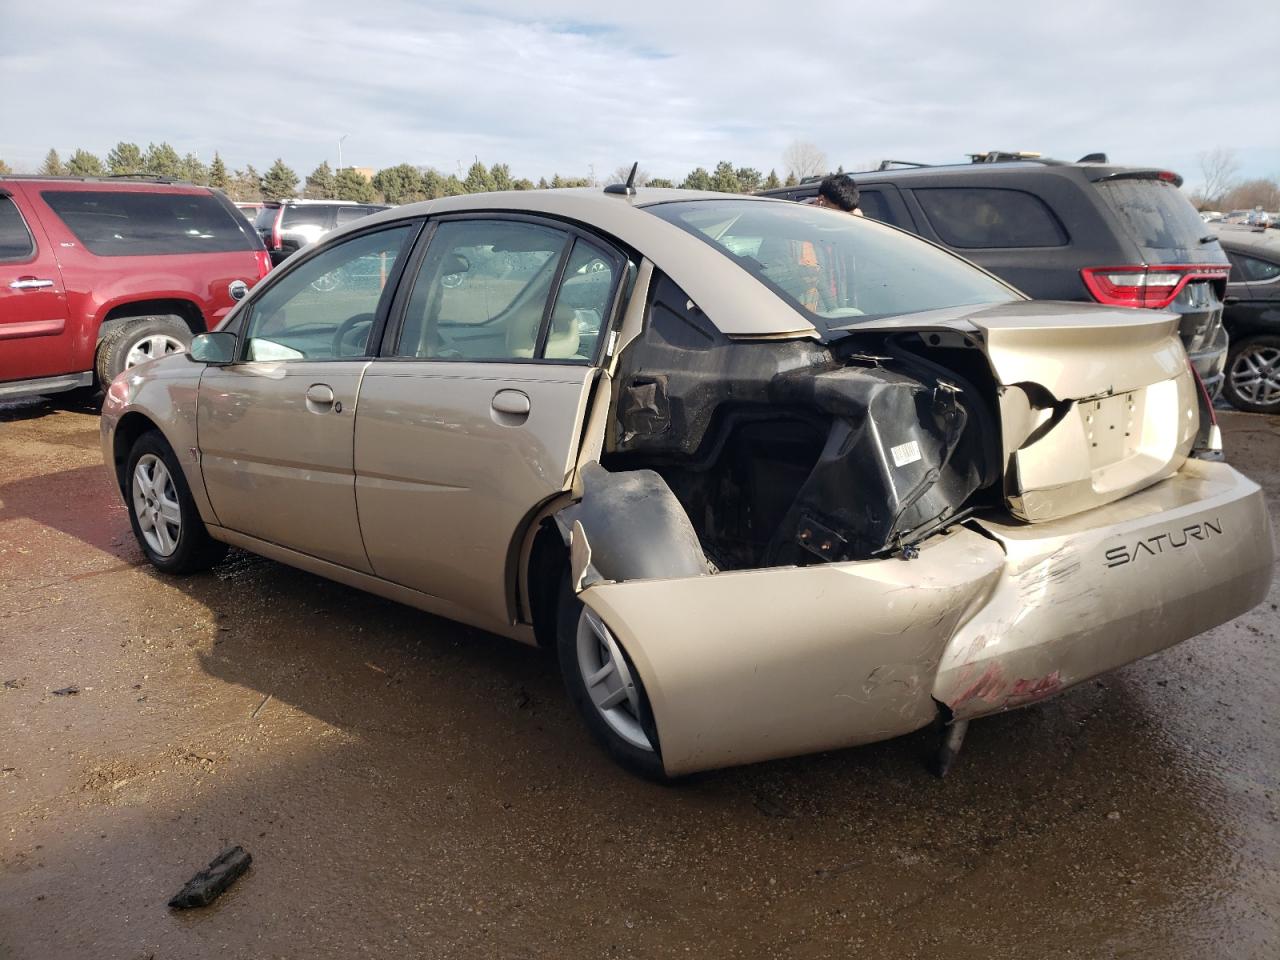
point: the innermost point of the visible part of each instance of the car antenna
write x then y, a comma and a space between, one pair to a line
627, 189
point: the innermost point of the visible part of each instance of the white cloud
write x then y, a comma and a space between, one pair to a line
567, 86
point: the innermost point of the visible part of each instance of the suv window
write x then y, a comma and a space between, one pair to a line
265, 217
325, 308
16, 242
129, 223
834, 267
1158, 215
984, 217
1251, 268
351, 214
873, 204
482, 292
306, 215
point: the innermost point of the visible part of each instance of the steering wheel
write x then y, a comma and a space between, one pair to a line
344, 331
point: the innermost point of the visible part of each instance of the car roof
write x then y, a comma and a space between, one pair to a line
1247, 240
130, 183
1012, 168
738, 303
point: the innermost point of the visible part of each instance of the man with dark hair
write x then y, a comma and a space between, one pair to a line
838, 192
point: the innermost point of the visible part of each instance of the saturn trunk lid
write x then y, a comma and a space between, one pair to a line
1094, 403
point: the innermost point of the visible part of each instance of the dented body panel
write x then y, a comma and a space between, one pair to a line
992, 615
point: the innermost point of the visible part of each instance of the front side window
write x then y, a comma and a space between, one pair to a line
980, 217
15, 239
325, 307
483, 291
125, 223
832, 266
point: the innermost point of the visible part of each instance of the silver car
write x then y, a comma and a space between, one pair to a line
770, 478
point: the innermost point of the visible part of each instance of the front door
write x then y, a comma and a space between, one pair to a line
276, 429
471, 419
35, 341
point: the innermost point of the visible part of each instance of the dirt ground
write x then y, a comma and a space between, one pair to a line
410, 787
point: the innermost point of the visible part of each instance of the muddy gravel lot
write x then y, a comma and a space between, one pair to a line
410, 787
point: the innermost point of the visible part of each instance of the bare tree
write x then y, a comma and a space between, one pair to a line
1218, 169
620, 175
804, 159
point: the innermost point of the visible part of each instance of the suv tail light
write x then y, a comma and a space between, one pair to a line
275, 228
1147, 286
264, 263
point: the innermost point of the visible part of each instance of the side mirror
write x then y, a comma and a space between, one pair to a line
215, 348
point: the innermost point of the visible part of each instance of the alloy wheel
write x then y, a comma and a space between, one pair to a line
155, 504
607, 677
1255, 374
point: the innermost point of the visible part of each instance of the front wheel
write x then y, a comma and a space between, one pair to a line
603, 684
1252, 382
162, 512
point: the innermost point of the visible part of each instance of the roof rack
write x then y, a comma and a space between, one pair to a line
1006, 156
105, 178
890, 164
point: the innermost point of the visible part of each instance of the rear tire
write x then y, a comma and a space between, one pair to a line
627, 731
138, 340
162, 511
1252, 381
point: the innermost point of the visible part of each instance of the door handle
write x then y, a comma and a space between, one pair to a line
30, 283
320, 399
511, 402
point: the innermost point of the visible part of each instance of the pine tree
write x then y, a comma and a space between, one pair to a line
749, 179
792, 180
193, 171
478, 179
542, 184
524, 183
321, 183
432, 183
85, 164
660, 182
725, 178
218, 176
53, 166
279, 182
351, 185
500, 176
246, 185
772, 182
400, 184
125, 159
163, 161
698, 179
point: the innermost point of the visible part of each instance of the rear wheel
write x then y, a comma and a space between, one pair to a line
162, 512
137, 341
1252, 382
603, 684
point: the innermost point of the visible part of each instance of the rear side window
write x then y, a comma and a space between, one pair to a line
351, 214
306, 216
265, 217
15, 238
130, 224
873, 204
980, 217
1251, 268
1158, 216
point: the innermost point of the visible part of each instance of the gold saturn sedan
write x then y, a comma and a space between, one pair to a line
769, 478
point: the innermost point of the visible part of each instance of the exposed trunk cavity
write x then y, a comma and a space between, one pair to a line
796, 452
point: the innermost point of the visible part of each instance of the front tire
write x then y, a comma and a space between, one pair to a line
605, 688
162, 512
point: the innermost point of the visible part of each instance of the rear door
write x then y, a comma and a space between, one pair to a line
470, 420
35, 339
276, 429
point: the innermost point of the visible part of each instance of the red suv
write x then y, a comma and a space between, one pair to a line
97, 275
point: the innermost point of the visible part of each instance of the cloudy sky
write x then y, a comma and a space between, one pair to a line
572, 87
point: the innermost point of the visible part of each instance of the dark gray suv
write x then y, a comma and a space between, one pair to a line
1090, 230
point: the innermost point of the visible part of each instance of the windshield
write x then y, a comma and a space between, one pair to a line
832, 266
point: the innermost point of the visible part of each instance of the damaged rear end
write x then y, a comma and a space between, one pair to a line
809, 542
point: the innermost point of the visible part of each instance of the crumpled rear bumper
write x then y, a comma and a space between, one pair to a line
751, 665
